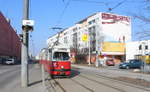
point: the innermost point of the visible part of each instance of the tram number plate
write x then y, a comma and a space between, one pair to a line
62, 73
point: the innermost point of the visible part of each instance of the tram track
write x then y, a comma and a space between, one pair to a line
93, 77
123, 82
57, 83
52, 84
60, 86
115, 80
101, 83
82, 85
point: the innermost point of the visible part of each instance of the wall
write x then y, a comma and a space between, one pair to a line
10, 44
132, 49
116, 27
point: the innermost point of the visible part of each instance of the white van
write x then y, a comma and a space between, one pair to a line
10, 61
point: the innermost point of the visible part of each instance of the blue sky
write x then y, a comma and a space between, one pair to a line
47, 13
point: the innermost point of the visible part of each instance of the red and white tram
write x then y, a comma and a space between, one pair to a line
56, 60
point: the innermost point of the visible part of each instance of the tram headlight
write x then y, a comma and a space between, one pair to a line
62, 67
55, 64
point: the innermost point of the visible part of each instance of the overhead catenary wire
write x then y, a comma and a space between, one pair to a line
63, 12
90, 1
105, 3
65, 8
117, 5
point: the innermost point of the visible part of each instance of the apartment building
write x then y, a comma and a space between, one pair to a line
106, 35
138, 50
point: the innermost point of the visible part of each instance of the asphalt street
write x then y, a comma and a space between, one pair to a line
87, 79
10, 79
8, 73
82, 79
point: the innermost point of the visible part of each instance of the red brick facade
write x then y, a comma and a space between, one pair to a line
10, 44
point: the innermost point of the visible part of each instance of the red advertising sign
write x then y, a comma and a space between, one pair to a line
113, 18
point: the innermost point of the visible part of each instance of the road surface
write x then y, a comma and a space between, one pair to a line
81, 80
8, 73
86, 80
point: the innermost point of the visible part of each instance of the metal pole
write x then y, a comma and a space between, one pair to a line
144, 54
43, 74
89, 48
97, 46
24, 56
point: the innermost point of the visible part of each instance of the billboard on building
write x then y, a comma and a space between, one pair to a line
113, 47
115, 27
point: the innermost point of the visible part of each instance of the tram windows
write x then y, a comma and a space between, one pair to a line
60, 56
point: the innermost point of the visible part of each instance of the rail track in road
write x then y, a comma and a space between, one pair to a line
123, 82
61, 87
91, 90
118, 81
101, 83
57, 83
93, 78
53, 85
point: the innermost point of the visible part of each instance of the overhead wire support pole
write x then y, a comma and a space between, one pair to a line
97, 47
89, 45
24, 51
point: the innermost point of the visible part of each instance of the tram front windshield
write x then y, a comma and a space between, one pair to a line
60, 56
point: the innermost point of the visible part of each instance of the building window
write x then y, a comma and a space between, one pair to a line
97, 19
146, 47
91, 22
79, 39
79, 45
65, 33
75, 40
74, 30
65, 40
78, 33
140, 47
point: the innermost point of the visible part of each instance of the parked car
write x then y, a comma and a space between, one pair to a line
131, 64
10, 61
110, 62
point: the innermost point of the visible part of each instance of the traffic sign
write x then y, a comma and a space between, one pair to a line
28, 23
85, 37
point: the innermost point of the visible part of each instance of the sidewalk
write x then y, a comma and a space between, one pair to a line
35, 82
